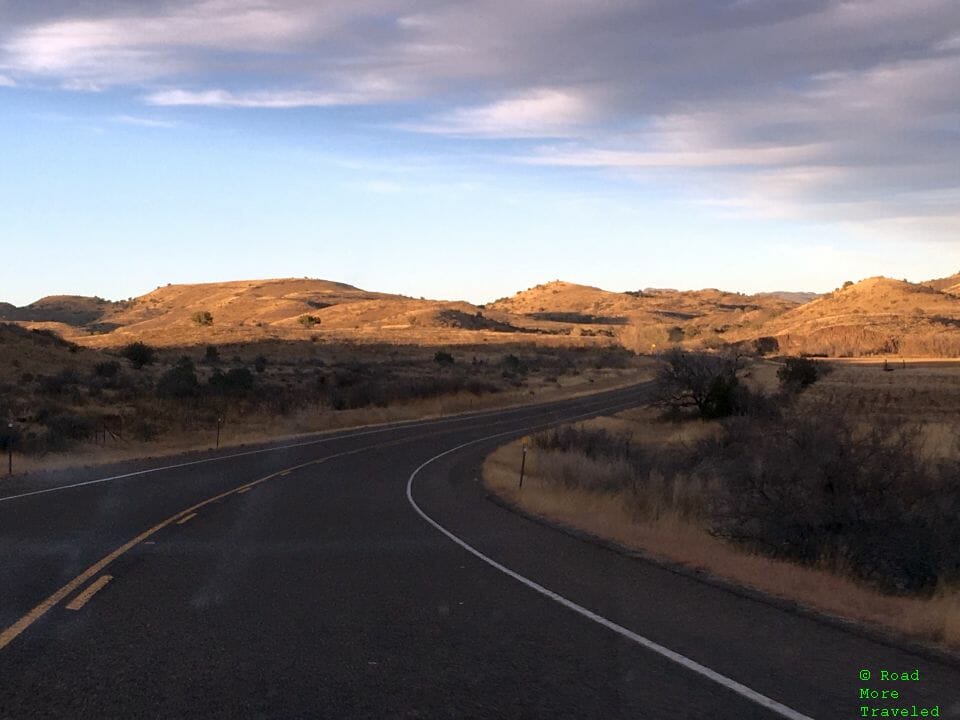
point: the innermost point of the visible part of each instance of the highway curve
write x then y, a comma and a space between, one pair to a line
366, 574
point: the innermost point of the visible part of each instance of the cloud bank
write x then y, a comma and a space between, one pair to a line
820, 109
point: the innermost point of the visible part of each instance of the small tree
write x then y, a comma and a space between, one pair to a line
179, 382
700, 381
203, 317
139, 354
260, 363
308, 321
236, 382
212, 355
798, 373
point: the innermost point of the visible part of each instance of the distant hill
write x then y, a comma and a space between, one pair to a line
791, 296
874, 316
75, 310
950, 284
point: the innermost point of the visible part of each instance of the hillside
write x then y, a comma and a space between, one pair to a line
651, 317
283, 309
875, 316
74, 310
950, 284
31, 352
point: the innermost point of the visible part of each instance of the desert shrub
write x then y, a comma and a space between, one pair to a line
813, 488
211, 355
236, 382
308, 320
260, 363
64, 429
179, 382
480, 387
613, 358
766, 345
706, 383
202, 317
107, 369
139, 354
798, 373
512, 365
443, 358
60, 383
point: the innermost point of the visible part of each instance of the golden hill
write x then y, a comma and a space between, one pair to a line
877, 315
282, 309
874, 316
950, 284
650, 318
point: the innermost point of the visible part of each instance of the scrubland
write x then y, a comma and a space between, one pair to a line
73, 406
843, 495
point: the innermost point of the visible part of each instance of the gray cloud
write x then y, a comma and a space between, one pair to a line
844, 111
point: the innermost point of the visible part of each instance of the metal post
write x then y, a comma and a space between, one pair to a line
523, 463
219, 424
9, 448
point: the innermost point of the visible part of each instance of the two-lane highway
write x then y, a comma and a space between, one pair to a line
364, 574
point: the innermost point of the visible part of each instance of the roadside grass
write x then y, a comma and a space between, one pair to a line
662, 518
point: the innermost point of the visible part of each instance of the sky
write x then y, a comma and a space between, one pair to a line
467, 150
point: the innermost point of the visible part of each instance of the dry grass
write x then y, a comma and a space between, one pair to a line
670, 534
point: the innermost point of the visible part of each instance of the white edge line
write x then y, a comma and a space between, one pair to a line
665, 652
337, 435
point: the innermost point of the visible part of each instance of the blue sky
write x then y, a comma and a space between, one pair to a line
469, 150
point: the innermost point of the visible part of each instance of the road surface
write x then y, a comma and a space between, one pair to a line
366, 574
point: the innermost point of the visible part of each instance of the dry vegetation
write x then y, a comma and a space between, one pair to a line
835, 503
71, 404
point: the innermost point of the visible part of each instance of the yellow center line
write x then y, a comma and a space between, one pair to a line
10, 633
182, 520
80, 600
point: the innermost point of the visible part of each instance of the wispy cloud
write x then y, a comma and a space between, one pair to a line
276, 99
541, 112
6, 81
144, 121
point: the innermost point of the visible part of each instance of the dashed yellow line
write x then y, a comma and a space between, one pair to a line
80, 600
10, 633
189, 517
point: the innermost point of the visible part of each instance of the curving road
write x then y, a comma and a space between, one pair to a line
365, 574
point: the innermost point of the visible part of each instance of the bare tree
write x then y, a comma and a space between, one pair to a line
705, 382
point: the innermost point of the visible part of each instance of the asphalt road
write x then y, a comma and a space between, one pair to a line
366, 574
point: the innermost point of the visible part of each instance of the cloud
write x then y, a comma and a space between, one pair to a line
144, 121
542, 112
256, 99
839, 110
6, 81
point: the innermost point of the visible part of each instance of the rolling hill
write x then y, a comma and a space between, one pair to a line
872, 317
875, 316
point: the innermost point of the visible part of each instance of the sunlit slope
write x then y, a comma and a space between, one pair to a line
875, 316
